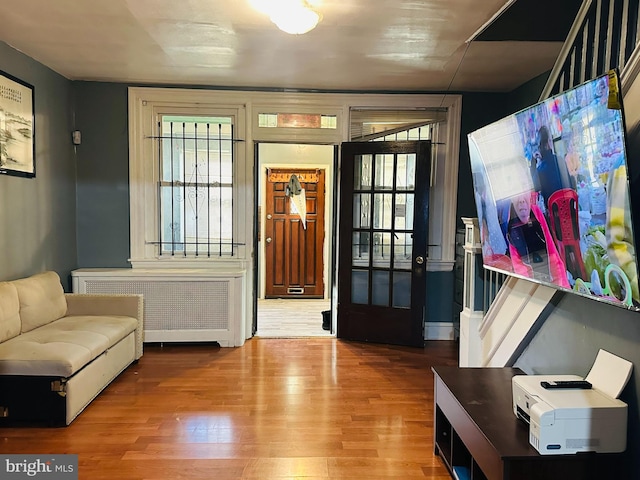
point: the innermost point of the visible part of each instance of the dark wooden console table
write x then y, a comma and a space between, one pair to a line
478, 436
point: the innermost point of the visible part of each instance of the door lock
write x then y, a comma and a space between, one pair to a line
420, 260
268, 216
268, 239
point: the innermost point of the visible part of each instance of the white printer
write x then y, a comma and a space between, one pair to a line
571, 420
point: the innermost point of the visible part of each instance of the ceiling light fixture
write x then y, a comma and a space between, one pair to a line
295, 17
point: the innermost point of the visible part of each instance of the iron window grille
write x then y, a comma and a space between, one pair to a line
196, 186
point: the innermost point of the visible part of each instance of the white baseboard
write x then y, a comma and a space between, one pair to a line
439, 331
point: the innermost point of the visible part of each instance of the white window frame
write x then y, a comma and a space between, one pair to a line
144, 113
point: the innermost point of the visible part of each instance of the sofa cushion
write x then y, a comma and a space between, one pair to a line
42, 299
63, 347
9, 311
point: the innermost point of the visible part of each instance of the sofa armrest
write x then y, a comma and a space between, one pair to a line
109, 304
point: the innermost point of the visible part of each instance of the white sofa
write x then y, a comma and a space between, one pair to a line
58, 351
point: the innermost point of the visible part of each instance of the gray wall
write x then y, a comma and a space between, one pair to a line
103, 174
38, 215
569, 340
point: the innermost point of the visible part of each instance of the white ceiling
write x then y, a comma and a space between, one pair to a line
397, 45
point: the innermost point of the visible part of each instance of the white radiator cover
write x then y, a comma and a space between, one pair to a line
179, 305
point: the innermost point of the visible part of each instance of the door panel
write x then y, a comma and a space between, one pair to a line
384, 192
294, 254
277, 254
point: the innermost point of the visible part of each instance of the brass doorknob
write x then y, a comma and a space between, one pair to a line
420, 260
268, 239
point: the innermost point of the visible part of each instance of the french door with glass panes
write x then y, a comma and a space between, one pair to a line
384, 191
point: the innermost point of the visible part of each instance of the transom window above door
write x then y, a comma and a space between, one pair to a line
297, 120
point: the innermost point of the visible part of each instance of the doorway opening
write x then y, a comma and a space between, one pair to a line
295, 243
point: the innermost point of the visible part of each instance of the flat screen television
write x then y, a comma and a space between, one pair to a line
551, 185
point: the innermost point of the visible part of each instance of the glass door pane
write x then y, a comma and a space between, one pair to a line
406, 172
384, 165
362, 173
382, 249
361, 249
361, 210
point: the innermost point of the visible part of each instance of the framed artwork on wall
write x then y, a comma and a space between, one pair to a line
16, 127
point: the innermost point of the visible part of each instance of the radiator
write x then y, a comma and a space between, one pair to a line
179, 306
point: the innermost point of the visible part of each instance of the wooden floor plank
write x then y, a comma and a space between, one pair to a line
304, 408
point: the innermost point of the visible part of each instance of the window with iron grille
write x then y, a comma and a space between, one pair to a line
195, 186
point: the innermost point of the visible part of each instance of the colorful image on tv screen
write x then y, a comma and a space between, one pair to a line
552, 194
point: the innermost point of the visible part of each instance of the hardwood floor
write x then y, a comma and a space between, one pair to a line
313, 409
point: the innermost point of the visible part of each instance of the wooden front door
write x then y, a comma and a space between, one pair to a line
384, 191
293, 251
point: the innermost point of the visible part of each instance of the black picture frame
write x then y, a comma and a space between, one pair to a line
17, 127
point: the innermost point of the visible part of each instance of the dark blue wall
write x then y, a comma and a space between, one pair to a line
38, 215
103, 174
